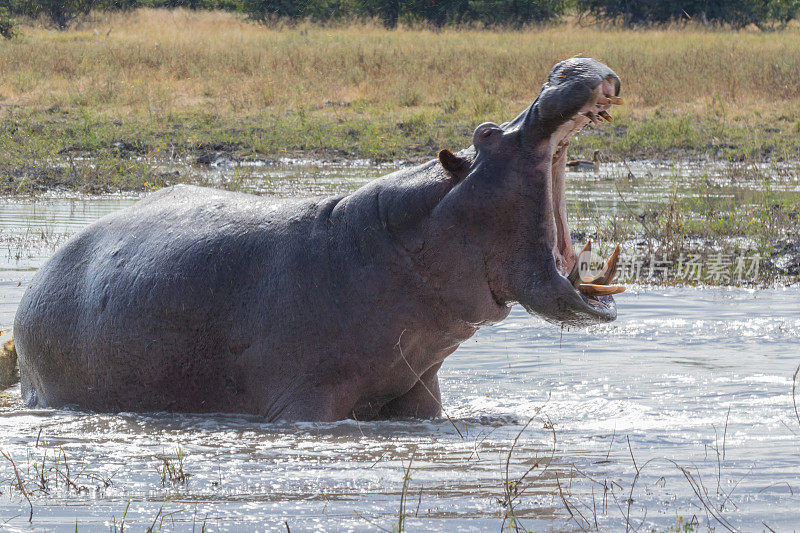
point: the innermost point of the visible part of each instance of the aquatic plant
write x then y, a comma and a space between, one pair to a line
171, 469
51, 472
514, 487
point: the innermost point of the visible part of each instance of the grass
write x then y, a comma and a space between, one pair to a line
514, 486
106, 106
212, 81
729, 233
171, 469
53, 473
50, 473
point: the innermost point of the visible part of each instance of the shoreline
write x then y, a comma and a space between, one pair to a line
38, 143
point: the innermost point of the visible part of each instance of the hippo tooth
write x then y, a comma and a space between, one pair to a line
609, 271
589, 289
583, 257
616, 100
606, 116
591, 116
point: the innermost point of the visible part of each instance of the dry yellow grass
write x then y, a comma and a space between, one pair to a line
167, 84
178, 60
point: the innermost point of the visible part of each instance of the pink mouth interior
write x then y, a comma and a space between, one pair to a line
563, 252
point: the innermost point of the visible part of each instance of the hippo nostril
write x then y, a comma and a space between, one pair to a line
615, 80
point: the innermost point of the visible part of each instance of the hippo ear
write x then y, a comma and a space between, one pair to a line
451, 162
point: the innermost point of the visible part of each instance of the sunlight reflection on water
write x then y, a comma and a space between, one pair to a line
684, 375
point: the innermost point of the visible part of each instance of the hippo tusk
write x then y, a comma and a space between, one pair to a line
583, 259
590, 289
609, 271
574, 276
616, 100
593, 286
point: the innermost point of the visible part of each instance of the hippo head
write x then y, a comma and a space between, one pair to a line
508, 200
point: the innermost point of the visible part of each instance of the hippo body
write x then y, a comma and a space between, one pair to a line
199, 300
162, 315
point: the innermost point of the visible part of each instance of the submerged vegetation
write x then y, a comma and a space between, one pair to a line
171, 469
530, 476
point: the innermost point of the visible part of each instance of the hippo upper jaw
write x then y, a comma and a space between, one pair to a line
562, 102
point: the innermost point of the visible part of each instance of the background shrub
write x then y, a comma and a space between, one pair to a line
737, 13
6, 23
513, 13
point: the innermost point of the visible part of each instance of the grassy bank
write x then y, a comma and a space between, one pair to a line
165, 84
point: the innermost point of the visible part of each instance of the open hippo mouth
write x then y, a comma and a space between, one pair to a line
594, 289
578, 92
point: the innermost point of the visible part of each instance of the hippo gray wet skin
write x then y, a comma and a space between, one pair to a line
201, 300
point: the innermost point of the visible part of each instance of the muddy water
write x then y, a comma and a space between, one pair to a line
691, 387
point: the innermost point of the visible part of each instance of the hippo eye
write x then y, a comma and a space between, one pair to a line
485, 132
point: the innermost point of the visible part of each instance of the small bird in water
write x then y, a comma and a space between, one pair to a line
579, 165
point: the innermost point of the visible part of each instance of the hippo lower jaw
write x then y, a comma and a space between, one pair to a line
554, 298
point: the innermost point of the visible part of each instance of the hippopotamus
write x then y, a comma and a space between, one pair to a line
201, 300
